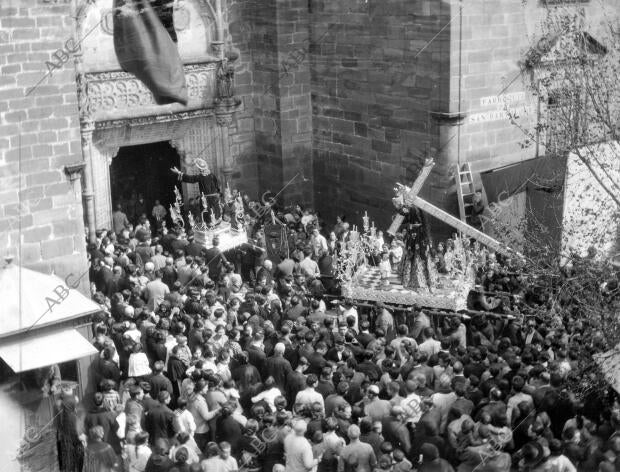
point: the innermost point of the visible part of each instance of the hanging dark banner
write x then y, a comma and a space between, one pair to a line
144, 48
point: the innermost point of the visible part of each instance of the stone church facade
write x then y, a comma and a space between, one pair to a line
342, 99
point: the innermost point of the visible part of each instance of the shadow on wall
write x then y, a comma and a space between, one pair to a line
374, 80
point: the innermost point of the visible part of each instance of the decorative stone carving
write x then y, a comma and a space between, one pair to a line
158, 119
121, 93
109, 153
224, 119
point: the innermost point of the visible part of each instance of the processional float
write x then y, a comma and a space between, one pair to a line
446, 291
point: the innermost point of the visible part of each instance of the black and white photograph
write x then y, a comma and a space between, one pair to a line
309, 235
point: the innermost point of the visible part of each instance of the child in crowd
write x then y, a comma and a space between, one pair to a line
111, 398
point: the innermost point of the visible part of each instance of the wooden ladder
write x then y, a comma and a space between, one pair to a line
465, 190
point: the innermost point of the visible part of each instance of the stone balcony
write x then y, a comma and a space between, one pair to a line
117, 95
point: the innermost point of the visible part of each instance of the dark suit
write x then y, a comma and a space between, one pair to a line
364, 339
295, 382
99, 416
178, 244
169, 276
215, 259
195, 338
257, 357
371, 369
158, 383
166, 242
104, 279
317, 362
145, 252
278, 368
332, 355
195, 250
159, 423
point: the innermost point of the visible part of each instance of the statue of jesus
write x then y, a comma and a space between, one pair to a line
208, 186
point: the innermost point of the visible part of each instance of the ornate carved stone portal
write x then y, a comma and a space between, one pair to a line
116, 109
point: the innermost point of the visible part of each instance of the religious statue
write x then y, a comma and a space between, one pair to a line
228, 198
415, 271
209, 189
175, 215
238, 213
225, 80
175, 209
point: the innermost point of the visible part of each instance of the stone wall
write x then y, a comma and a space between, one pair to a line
374, 83
40, 210
395, 82
241, 133
491, 84
282, 113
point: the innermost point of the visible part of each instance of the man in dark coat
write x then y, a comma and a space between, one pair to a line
296, 380
208, 185
104, 277
215, 259
278, 367
159, 382
160, 421
317, 359
256, 354
228, 429
99, 416
194, 249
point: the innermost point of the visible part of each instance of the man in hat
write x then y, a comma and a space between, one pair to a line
208, 185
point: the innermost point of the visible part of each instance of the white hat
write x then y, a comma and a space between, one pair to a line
374, 389
201, 164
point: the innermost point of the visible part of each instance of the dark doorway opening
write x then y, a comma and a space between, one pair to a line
144, 170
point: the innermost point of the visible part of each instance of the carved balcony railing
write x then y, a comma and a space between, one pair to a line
110, 96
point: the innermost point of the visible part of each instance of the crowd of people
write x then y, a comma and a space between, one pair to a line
219, 362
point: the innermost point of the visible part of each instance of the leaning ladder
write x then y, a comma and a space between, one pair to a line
465, 190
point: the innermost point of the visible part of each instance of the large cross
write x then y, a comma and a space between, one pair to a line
411, 198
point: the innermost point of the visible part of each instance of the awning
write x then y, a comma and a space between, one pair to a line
41, 350
31, 300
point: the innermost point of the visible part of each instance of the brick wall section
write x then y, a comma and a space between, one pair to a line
282, 111
40, 216
486, 72
243, 142
293, 98
371, 98
263, 40
512, 27
383, 67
